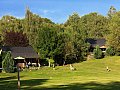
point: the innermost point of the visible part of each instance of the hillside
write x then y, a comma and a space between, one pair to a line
89, 75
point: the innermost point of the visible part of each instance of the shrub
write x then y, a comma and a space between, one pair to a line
110, 51
50, 61
8, 63
97, 53
117, 53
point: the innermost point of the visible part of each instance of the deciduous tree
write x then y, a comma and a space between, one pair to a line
15, 39
113, 39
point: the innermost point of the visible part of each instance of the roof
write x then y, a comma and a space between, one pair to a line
25, 52
95, 42
5, 48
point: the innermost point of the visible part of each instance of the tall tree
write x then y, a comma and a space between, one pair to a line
33, 23
1, 39
95, 25
78, 36
15, 39
68, 50
113, 39
111, 11
46, 41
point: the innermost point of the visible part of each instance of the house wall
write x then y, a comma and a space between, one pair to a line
23, 62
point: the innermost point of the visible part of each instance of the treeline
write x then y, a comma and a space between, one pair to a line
64, 43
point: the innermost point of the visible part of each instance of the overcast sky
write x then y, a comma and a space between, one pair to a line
56, 10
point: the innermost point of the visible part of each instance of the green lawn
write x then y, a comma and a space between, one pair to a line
90, 75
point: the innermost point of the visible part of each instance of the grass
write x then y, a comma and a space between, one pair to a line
90, 75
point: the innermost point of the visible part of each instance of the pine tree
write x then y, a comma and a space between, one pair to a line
111, 11
97, 52
8, 63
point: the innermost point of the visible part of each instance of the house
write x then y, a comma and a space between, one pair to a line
22, 55
94, 42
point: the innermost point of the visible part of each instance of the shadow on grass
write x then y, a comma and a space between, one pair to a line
10, 83
85, 86
7, 78
29, 84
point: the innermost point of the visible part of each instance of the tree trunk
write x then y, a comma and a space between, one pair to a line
49, 63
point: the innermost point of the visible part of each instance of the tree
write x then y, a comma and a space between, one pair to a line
1, 40
46, 41
113, 39
33, 23
78, 37
95, 25
111, 11
15, 39
68, 50
97, 52
110, 51
8, 63
73, 20
9, 23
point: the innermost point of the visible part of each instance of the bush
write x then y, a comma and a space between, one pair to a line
110, 51
8, 63
50, 61
44, 62
117, 53
97, 53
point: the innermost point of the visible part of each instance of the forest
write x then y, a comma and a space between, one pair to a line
66, 42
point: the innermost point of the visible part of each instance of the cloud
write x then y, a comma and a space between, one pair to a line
45, 12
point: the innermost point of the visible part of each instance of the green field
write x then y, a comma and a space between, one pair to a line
89, 75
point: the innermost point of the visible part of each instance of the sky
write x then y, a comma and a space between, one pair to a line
56, 10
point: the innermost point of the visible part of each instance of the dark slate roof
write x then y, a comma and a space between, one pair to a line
94, 42
5, 48
25, 52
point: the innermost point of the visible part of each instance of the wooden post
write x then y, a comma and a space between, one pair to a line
18, 77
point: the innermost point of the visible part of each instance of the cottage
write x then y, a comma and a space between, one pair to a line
22, 55
94, 42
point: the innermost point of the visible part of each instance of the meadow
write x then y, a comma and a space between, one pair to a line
89, 75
